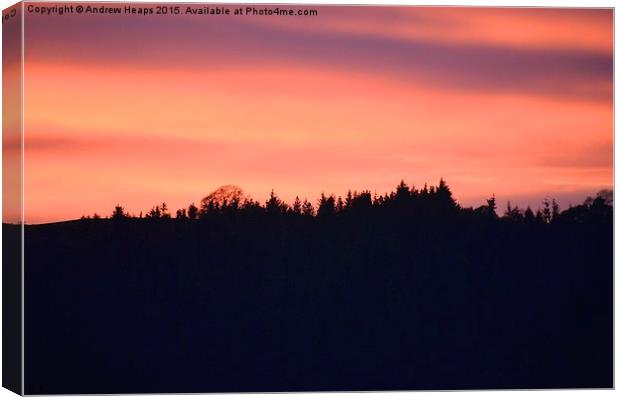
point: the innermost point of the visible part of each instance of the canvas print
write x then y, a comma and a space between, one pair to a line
207, 198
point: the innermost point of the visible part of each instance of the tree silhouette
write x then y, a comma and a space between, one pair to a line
307, 209
528, 215
164, 211
119, 213
275, 206
546, 211
555, 209
514, 213
154, 213
362, 202
433, 203
296, 206
402, 191
339, 205
327, 206
222, 197
444, 197
492, 207
192, 211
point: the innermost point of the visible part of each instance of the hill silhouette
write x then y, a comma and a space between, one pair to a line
404, 291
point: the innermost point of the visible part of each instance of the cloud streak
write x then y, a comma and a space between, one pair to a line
193, 43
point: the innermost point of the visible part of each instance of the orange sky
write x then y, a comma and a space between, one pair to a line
138, 110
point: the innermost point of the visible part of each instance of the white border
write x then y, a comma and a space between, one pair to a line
484, 3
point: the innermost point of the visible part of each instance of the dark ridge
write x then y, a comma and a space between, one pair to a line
406, 291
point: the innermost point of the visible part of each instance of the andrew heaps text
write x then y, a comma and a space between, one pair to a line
169, 10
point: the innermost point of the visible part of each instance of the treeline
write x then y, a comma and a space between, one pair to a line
404, 291
409, 202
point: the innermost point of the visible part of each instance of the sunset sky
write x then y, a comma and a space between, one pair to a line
136, 110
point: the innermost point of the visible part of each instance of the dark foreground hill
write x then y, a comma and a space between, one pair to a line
377, 299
